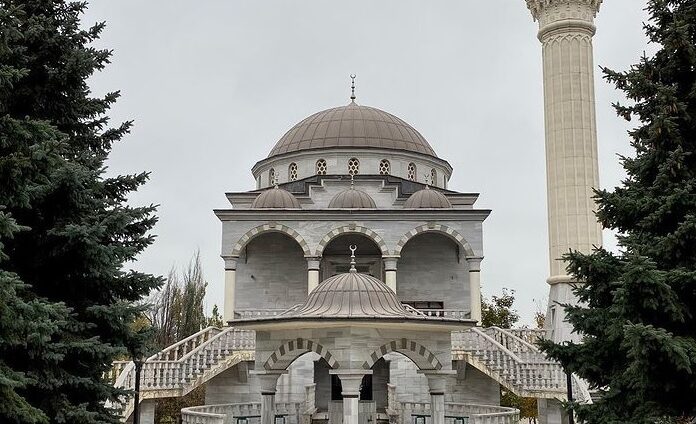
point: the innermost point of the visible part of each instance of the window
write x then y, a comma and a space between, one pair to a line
292, 172
384, 167
433, 177
271, 177
321, 167
353, 166
411, 171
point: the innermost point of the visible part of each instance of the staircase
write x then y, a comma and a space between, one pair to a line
183, 366
508, 356
511, 358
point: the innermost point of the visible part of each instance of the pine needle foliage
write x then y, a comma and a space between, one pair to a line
637, 311
67, 233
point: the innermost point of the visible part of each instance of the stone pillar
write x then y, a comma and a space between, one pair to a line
312, 273
551, 412
475, 288
268, 380
390, 271
350, 383
566, 28
147, 411
437, 382
230, 283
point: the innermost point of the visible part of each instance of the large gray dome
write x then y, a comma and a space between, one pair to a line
352, 295
352, 126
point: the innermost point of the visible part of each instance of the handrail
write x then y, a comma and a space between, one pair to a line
495, 342
413, 310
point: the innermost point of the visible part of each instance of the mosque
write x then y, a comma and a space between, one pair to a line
353, 273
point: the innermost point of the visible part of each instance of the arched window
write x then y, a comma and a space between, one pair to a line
321, 167
353, 166
292, 172
412, 171
271, 176
384, 167
433, 177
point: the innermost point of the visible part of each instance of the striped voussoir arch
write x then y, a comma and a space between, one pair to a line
266, 228
298, 347
418, 353
438, 228
352, 229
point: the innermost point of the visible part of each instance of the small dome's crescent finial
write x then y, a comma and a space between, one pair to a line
352, 181
352, 88
427, 178
352, 248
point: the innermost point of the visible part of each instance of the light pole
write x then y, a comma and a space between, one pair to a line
136, 407
569, 384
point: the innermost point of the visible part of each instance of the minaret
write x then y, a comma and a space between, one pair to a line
566, 28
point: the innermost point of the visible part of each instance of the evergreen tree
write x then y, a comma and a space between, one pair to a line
63, 271
637, 311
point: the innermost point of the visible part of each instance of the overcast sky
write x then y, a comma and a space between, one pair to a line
212, 85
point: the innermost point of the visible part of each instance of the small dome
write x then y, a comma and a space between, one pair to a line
427, 199
352, 199
275, 198
352, 295
352, 126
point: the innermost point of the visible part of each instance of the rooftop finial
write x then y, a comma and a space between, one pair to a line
352, 248
352, 88
427, 178
352, 182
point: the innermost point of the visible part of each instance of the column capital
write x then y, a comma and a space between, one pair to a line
390, 262
437, 380
350, 381
268, 380
474, 262
313, 262
230, 262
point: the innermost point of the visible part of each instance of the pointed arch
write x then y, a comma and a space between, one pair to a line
416, 352
269, 228
437, 228
282, 357
356, 229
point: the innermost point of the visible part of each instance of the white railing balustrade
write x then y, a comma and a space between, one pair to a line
516, 362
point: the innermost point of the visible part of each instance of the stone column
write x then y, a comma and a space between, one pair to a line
350, 383
147, 411
566, 28
437, 381
475, 288
230, 283
268, 381
312, 273
390, 271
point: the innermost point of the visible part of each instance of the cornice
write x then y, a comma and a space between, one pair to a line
279, 215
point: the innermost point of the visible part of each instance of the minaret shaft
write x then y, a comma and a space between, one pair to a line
566, 31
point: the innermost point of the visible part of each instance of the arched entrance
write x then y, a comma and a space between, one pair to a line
368, 256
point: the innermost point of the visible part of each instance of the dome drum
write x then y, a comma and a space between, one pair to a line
336, 162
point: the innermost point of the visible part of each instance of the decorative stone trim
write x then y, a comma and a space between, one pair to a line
352, 228
300, 346
438, 228
266, 228
409, 348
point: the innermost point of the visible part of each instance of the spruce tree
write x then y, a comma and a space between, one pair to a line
637, 311
68, 233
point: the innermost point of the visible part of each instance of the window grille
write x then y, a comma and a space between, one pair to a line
353, 166
384, 167
292, 172
412, 171
433, 177
321, 167
271, 177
